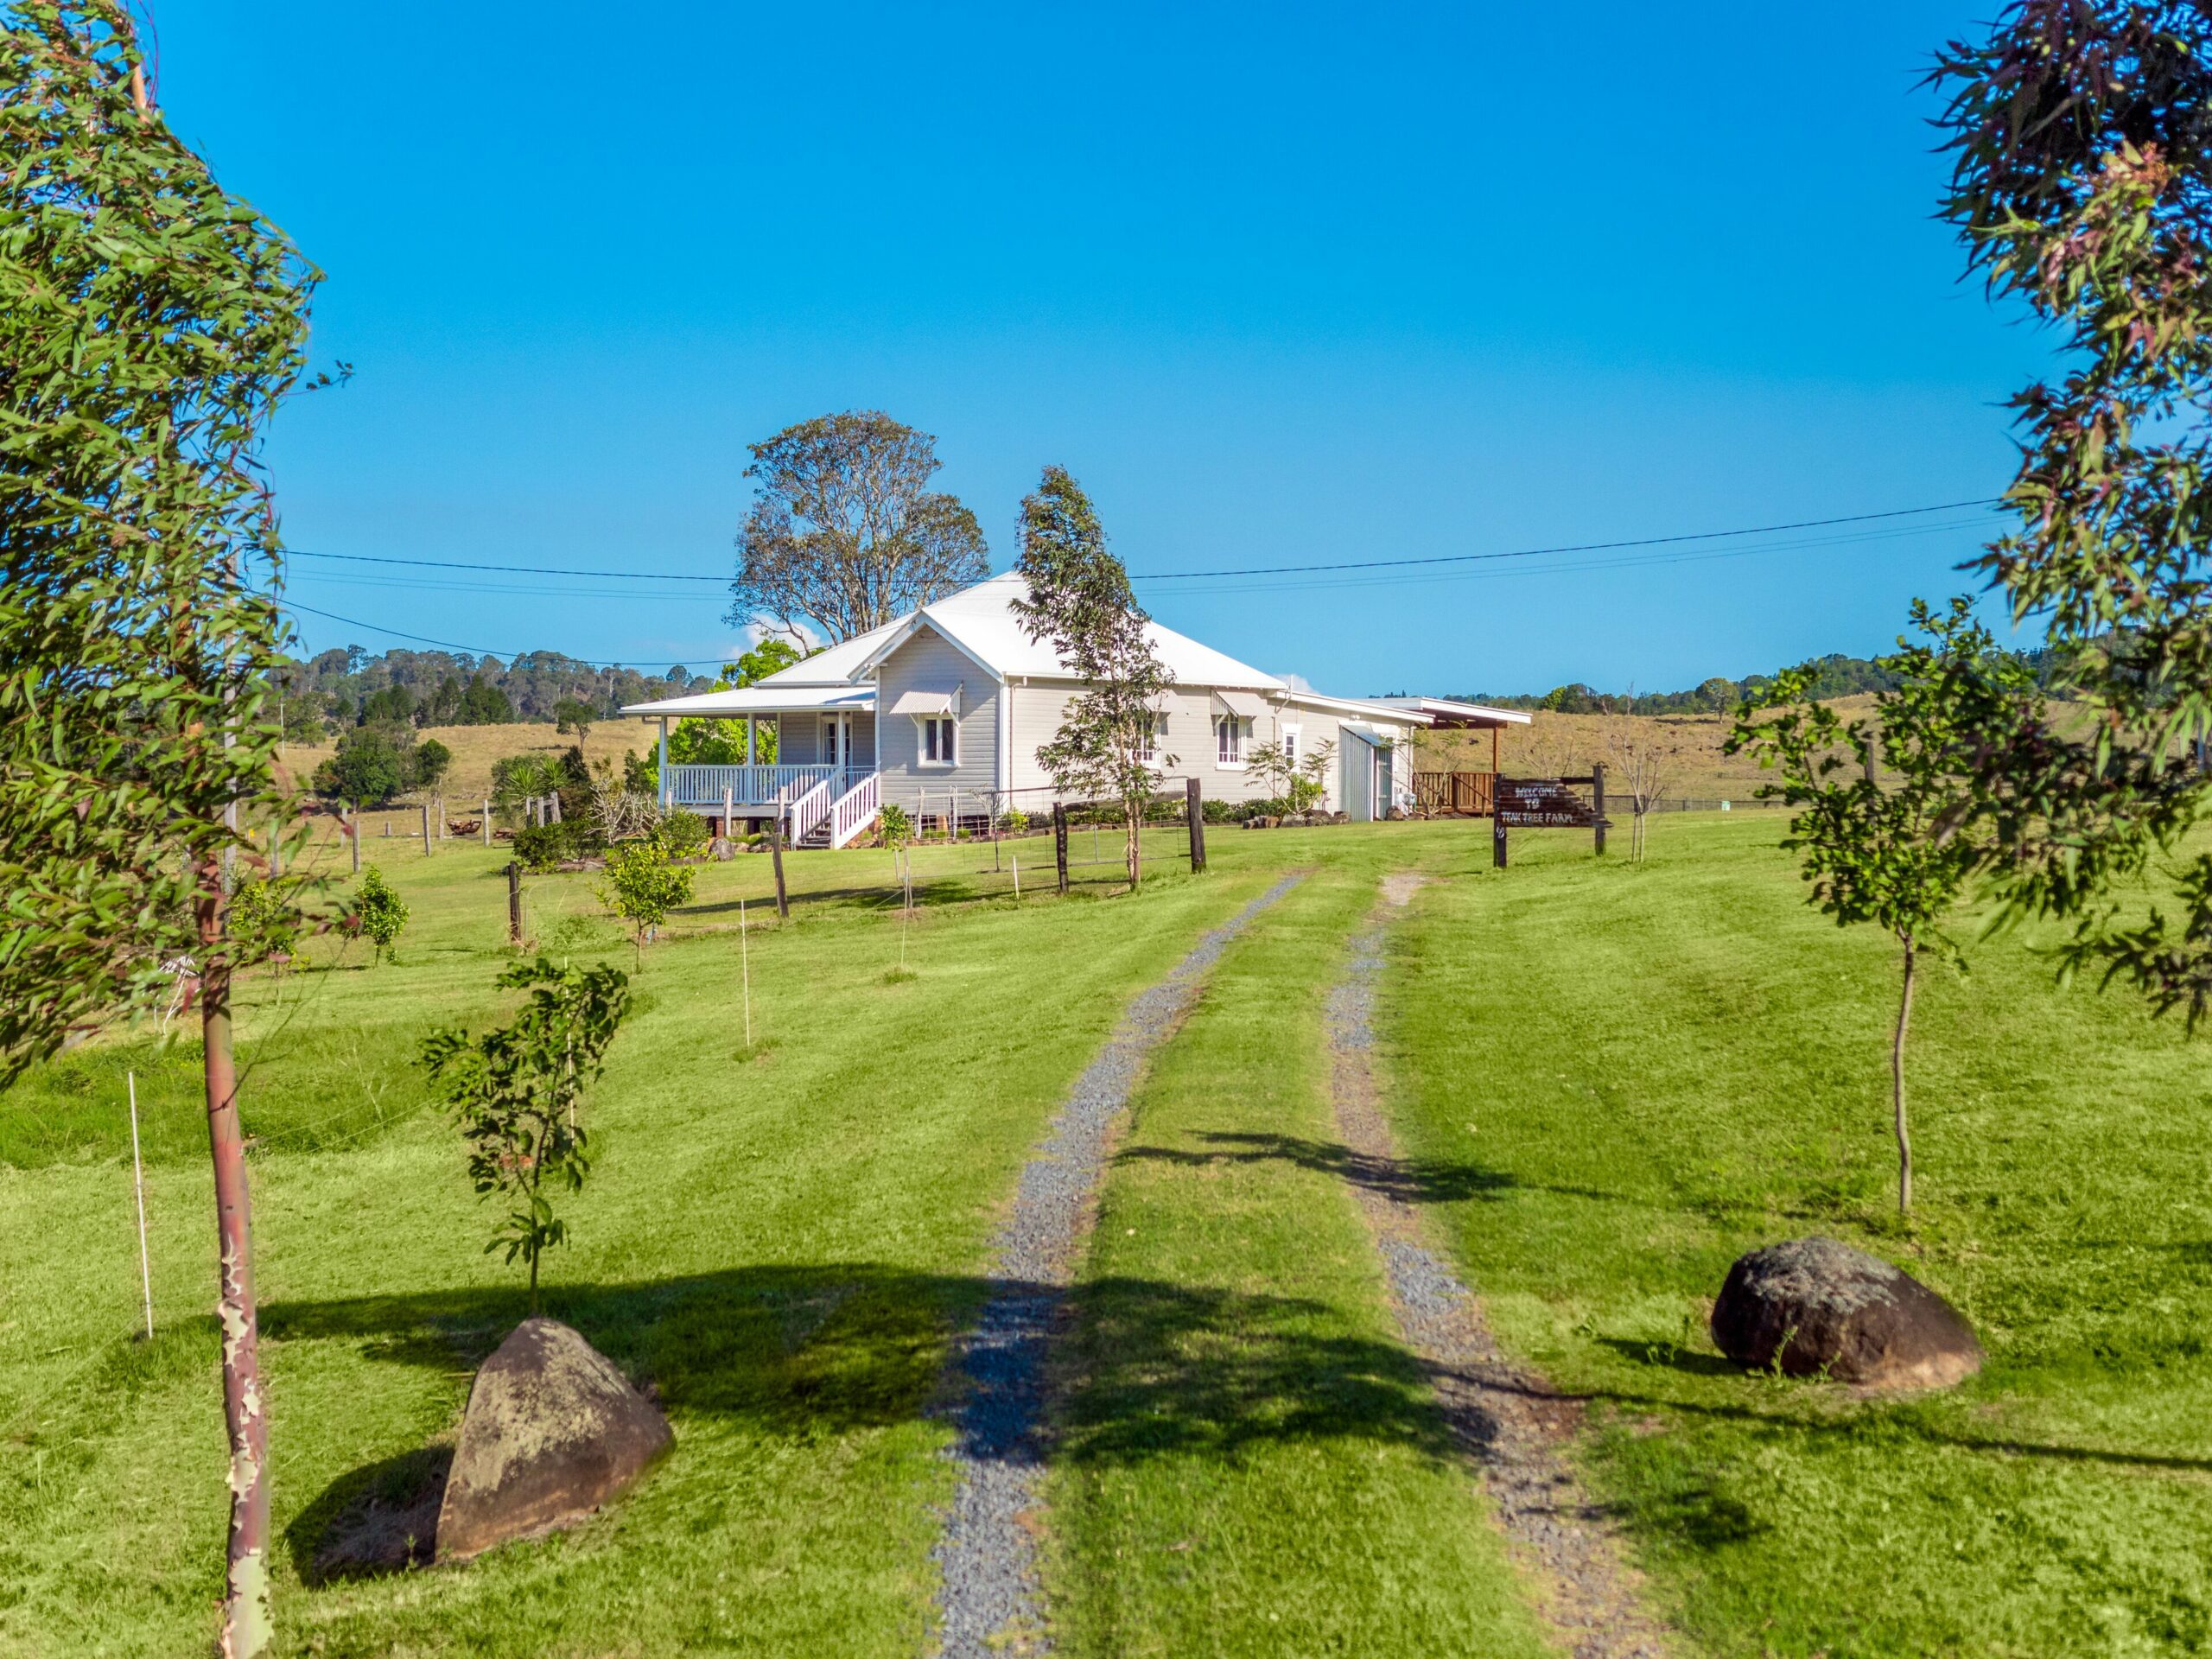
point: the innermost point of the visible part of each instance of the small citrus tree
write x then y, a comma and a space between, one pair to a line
379, 911
642, 885
516, 1090
1898, 854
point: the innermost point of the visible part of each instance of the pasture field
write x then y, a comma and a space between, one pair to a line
1623, 1077
1609, 1079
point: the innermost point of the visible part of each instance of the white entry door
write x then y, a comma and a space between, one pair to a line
836, 740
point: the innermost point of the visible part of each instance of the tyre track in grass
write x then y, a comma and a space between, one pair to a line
988, 1603
1512, 1426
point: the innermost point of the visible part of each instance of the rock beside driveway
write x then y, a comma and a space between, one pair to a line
1814, 1306
552, 1431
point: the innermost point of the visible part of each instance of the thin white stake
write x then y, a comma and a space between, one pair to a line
1016, 858
138, 1179
745, 964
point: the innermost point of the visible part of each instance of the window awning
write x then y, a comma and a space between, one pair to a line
917, 702
1246, 705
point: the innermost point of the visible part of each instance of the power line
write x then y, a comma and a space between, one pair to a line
473, 651
1573, 547
1629, 562
542, 572
509, 569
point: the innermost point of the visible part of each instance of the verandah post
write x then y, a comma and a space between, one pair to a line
1196, 806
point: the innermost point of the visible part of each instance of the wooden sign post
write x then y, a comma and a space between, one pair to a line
1060, 842
1194, 805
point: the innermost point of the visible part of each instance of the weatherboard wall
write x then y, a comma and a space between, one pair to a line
927, 662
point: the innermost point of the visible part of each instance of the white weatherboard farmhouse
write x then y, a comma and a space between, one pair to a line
943, 710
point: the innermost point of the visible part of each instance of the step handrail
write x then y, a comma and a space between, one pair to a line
854, 810
806, 813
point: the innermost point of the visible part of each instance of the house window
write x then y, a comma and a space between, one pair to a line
1290, 735
940, 740
1149, 741
1229, 731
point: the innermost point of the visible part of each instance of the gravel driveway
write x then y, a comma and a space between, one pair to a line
989, 1602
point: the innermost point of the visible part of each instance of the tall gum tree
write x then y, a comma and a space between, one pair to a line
2081, 132
844, 534
1080, 600
149, 324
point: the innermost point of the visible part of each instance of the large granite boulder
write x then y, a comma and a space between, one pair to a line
553, 1430
1812, 1305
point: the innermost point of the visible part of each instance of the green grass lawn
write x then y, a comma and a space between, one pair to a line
1628, 1075
781, 1244
1645, 1071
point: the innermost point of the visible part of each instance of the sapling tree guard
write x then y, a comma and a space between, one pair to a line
845, 533
149, 325
516, 1089
1897, 853
1080, 600
2083, 190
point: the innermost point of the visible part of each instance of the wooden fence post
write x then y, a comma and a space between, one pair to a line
1060, 840
1597, 802
483, 823
775, 853
426, 828
514, 902
439, 801
353, 824
1196, 807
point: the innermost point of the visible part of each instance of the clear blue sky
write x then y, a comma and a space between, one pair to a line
1280, 286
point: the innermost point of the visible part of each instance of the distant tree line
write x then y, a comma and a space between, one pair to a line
348, 687
1833, 675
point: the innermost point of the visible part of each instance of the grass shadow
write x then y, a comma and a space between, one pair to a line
1410, 1181
1671, 1356
808, 1351
380, 1519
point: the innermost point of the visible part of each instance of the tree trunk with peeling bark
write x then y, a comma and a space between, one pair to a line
247, 1623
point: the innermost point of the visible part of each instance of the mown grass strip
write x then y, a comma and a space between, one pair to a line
1247, 1462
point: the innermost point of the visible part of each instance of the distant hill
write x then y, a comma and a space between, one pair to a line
1835, 675
440, 687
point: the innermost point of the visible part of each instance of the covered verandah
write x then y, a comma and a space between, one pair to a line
822, 786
